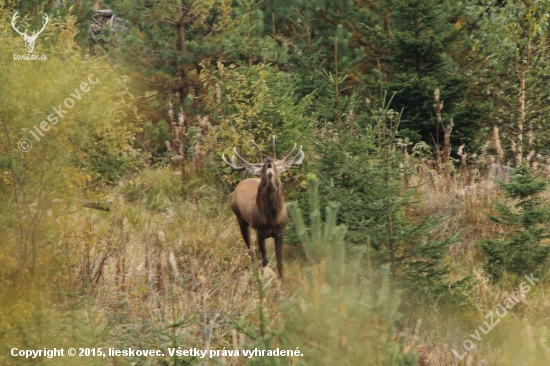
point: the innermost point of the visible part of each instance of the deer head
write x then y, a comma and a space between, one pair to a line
260, 203
29, 40
270, 166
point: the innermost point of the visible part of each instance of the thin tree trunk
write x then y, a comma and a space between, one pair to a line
248, 39
387, 29
438, 108
497, 145
530, 159
388, 208
178, 137
521, 121
336, 88
181, 49
417, 37
447, 153
173, 127
181, 139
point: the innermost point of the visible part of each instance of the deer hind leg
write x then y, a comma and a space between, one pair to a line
246, 236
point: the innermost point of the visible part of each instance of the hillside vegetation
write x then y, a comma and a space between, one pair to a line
418, 230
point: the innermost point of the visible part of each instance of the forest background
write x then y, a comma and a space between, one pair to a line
420, 207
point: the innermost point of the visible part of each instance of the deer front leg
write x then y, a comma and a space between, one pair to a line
263, 254
243, 225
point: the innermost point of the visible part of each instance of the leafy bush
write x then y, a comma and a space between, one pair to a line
77, 151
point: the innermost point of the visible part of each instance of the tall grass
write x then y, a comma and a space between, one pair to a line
167, 267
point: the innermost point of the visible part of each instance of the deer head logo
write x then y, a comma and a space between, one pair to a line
29, 40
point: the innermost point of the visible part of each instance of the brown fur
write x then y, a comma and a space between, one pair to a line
260, 204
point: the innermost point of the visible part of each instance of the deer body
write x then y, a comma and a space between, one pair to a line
260, 203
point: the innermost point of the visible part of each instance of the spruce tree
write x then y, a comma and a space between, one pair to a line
165, 46
310, 27
511, 39
521, 251
342, 310
420, 55
365, 170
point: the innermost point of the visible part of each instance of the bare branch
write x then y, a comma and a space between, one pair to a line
189, 20
193, 4
96, 205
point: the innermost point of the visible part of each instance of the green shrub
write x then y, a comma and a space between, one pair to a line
520, 251
340, 317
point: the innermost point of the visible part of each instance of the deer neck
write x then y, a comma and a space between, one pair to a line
271, 201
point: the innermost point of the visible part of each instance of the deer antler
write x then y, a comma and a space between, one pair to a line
44, 26
298, 158
244, 161
259, 150
290, 153
285, 159
252, 168
13, 19
233, 165
288, 161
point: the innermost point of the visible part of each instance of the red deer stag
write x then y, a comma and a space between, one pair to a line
260, 203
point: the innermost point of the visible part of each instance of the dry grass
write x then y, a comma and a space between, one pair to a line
168, 267
181, 257
519, 338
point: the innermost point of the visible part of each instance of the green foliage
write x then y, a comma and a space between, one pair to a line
421, 41
520, 252
318, 244
158, 133
254, 103
163, 50
37, 325
514, 66
310, 27
339, 317
367, 170
75, 153
155, 189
